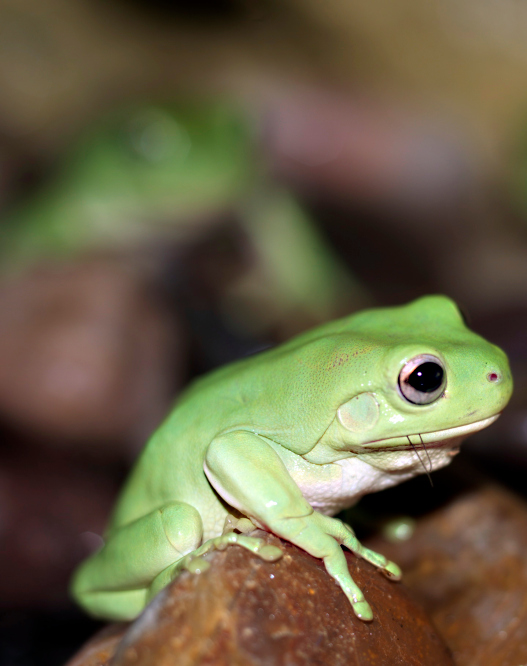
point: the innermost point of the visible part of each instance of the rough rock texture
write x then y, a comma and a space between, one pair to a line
99, 650
244, 611
467, 564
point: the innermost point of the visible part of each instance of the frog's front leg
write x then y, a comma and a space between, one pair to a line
246, 471
114, 582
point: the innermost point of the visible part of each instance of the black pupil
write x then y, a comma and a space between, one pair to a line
426, 378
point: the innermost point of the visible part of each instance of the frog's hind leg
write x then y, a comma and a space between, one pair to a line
113, 583
114, 606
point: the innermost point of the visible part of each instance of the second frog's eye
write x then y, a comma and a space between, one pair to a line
422, 380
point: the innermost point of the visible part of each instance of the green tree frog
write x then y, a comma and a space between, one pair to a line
286, 439
151, 172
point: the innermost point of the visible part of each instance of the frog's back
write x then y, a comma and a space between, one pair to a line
265, 394
170, 468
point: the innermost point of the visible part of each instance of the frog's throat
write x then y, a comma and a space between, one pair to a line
440, 438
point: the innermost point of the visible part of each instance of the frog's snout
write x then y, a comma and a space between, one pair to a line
499, 383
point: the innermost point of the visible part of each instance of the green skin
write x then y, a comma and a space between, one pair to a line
133, 173
287, 438
153, 172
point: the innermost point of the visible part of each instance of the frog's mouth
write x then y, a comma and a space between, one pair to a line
448, 438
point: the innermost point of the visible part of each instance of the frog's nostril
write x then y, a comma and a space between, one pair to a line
493, 377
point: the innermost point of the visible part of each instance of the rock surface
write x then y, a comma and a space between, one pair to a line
467, 564
246, 611
99, 650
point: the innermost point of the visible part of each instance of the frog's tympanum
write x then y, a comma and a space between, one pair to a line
286, 439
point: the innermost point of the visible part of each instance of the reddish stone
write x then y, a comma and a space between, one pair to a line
88, 355
467, 564
253, 613
99, 650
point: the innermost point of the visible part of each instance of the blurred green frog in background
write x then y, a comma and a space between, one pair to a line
156, 173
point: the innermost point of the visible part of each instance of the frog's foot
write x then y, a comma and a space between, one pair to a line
321, 536
196, 563
388, 568
193, 562
360, 606
238, 524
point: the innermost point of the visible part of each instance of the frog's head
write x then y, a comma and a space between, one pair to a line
420, 381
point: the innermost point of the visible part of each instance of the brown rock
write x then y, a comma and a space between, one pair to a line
467, 564
86, 354
100, 649
244, 611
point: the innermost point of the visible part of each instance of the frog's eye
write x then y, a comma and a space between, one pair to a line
422, 380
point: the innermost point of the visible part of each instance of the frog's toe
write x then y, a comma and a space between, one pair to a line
363, 611
392, 571
270, 553
263, 550
196, 565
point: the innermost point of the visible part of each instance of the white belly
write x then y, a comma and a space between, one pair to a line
331, 488
335, 486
